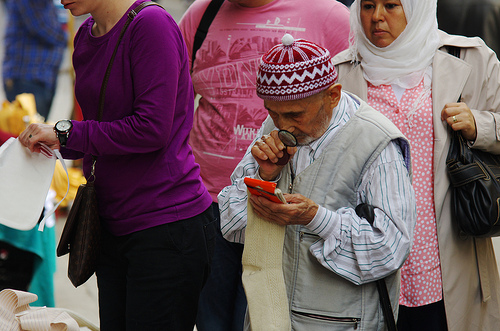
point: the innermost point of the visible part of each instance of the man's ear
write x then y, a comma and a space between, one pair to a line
334, 92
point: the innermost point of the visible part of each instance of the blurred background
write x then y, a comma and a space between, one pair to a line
82, 300
467, 17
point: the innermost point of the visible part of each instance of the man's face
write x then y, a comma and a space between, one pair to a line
306, 118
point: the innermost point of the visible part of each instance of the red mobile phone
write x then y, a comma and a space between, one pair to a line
265, 189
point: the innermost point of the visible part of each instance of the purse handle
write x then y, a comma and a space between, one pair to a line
130, 17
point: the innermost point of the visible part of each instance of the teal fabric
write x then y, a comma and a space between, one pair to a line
43, 244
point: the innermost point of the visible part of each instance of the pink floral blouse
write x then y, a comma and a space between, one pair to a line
421, 273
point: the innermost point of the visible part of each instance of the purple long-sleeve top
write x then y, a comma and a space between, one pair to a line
145, 173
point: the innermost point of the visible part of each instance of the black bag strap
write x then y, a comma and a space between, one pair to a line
130, 17
368, 212
206, 20
455, 51
461, 174
385, 302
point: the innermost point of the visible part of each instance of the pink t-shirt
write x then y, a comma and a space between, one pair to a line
224, 72
421, 273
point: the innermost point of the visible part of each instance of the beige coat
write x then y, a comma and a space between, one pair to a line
471, 285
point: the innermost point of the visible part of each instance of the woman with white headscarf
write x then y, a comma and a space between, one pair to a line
399, 62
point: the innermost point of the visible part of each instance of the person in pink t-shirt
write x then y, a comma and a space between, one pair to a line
229, 113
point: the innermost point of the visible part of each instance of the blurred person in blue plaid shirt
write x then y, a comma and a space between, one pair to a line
34, 47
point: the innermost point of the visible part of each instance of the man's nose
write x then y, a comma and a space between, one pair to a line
284, 124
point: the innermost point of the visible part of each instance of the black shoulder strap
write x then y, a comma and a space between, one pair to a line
368, 212
205, 22
130, 16
455, 51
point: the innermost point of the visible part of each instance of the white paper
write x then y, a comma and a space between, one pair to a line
25, 179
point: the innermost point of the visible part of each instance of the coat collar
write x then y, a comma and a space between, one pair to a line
354, 82
449, 75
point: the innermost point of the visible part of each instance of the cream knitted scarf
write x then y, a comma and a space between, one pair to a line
263, 274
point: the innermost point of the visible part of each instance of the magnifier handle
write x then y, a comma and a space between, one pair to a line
284, 159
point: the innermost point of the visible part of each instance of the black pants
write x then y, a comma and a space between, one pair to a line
152, 279
16, 267
223, 303
430, 317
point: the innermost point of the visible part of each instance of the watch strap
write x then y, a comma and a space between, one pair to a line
63, 138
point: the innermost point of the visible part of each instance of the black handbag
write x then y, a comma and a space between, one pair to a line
81, 236
474, 176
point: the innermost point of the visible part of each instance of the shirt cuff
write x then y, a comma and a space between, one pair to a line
326, 223
257, 176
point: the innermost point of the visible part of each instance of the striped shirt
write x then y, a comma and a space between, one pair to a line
349, 245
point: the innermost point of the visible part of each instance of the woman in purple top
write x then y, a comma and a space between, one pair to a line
153, 205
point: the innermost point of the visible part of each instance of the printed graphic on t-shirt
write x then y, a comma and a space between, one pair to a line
224, 74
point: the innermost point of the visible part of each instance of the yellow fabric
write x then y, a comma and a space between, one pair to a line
16, 115
262, 277
60, 183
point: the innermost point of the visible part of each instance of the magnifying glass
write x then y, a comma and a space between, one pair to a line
289, 140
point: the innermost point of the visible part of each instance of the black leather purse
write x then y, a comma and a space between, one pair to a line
474, 176
81, 236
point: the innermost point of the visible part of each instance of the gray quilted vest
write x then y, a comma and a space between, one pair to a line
320, 299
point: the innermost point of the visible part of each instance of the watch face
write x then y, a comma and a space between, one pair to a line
63, 126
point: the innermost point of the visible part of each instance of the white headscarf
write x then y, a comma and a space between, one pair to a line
408, 58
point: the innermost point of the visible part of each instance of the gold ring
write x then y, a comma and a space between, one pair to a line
30, 136
454, 119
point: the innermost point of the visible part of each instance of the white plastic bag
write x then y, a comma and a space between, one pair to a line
25, 179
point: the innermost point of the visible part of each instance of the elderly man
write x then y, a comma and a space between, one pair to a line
348, 155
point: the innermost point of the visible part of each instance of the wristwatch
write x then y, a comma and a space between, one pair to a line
62, 129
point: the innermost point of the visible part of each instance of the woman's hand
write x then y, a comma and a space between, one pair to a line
460, 118
39, 133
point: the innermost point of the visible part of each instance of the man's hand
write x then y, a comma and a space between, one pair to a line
267, 150
299, 210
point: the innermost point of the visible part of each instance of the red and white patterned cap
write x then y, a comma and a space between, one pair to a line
294, 69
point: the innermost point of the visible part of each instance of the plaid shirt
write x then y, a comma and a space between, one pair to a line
34, 41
